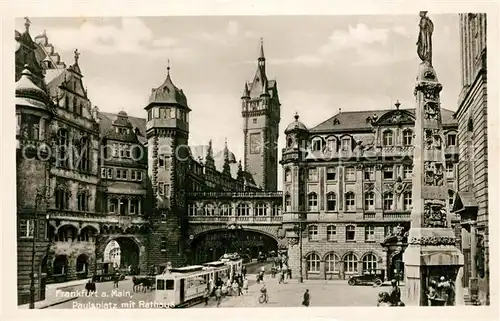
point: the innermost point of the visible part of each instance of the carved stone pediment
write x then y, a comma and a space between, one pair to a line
396, 117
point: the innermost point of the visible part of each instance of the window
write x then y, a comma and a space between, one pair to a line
150, 115
369, 201
138, 176
288, 175
288, 203
113, 204
331, 263
83, 201
226, 210
346, 144
132, 175
312, 202
62, 199
254, 120
388, 201
369, 262
316, 144
389, 172
243, 209
407, 137
312, 174
387, 138
133, 206
103, 172
166, 190
261, 209
369, 173
331, 233
407, 171
191, 209
452, 139
124, 174
407, 201
313, 233
451, 198
75, 106
450, 170
115, 150
110, 173
313, 263
331, 202
369, 233
156, 112
172, 113
163, 244
350, 233
276, 210
331, 143
350, 174
26, 228
63, 142
350, 202
123, 207
331, 173
351, 263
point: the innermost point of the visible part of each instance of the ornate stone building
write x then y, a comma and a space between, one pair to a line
95, 187
347, 190
472, 198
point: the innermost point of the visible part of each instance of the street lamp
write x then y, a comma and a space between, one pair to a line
299, 228
41, 194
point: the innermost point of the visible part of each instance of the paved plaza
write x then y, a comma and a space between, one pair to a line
331, 293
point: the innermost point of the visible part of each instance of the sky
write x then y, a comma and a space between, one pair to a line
321, 63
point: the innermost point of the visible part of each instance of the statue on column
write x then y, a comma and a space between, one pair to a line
424, 43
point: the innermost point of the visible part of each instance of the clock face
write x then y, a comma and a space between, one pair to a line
255, 143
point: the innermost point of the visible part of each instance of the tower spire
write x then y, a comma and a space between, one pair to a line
261, 56
168, 67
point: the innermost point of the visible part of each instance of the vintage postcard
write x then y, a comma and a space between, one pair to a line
256, 161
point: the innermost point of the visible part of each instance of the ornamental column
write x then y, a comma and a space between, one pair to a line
431, 260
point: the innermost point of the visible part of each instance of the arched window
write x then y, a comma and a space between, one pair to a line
191, 209
276, 210
61, 198
388, 201
288, 203
350, 233
317, 144
82, 159
261, 209
60, 265
369, 262
331, 201
62, 148
243, 210
288, 175
331, 233
407, 201
331, 144
388, 138
226, 210
313, 260
209, 209
83, 201
332, 263
369, 201
350, 203
312, 202
351, 263
313, 233
82, 264
407, 137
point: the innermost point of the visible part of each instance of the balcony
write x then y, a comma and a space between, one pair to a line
95, 217
237, 195
235, 219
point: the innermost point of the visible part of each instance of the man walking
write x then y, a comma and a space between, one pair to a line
244, 270
394, 294
305, 302
218, 295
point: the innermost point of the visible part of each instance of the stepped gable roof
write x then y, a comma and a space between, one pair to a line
357, 120
168, 93
107, 119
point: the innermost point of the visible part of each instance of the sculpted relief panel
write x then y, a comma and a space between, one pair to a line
434, 173
435, 213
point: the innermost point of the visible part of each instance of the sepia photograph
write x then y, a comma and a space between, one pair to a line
207, 162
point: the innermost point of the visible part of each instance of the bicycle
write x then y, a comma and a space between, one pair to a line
263, 298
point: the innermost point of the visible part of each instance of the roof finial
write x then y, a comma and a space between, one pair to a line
168, 67
27, 23
397, 104
77, 55
261, 48
296, 116
340, 110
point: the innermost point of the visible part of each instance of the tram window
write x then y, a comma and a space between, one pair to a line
160, 285
169, 284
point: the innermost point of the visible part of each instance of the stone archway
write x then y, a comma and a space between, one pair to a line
212, 244
82, 266
130, 254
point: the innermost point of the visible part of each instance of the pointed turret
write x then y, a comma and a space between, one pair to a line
209, 158
246, 93
225, 168
256, 88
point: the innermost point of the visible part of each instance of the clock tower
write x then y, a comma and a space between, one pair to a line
261, 116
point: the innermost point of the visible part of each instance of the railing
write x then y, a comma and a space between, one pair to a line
94, 217
396, 216
368, 215
235, 194
260, 219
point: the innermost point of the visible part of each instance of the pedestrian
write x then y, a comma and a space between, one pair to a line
236, 288
218, 295
305, 302
282, 277
245, 284
116, 279
394, 294
244, 270
206, 296
88, 286
383, 300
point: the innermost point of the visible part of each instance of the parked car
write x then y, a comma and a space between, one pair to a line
261, 257
374, 277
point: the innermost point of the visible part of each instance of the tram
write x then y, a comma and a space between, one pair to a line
181, 287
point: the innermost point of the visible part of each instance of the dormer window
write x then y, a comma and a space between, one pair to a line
336, 121
346, 144
316, 144
452, 139
332, 144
